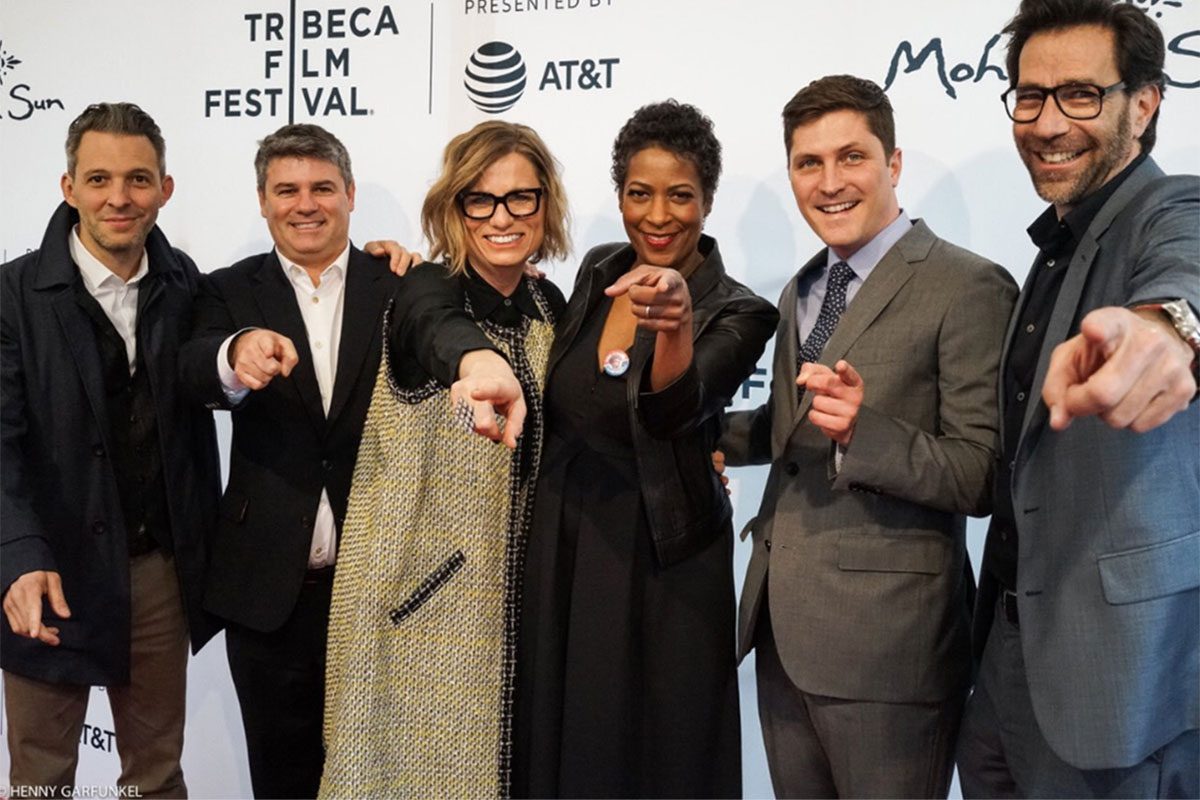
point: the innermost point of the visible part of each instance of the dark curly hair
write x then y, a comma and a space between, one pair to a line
678, 127
1140, 51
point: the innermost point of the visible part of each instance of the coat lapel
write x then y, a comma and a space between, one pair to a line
362, 320
1066, 306
885, 281
588, 290
276, 300
80, 336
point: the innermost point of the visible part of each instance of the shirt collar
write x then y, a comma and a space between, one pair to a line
865, 259
294, 271
95, 274
487, 303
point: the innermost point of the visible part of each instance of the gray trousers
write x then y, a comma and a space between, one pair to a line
1002, 753
829, 747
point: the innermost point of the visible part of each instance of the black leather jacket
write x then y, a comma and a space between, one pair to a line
675, 430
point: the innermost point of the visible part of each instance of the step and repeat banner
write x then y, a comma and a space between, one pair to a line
395, 80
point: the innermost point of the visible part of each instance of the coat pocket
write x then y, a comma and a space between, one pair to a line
912, 552
429, 587
1157, 570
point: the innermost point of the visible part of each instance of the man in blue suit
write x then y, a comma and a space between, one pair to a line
1088, 620
110, 479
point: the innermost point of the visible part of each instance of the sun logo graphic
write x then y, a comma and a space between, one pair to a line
7, 62
495, 77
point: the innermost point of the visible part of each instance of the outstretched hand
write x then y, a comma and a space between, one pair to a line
837, 397
1131, 371
658, 297
258, 355
491, 395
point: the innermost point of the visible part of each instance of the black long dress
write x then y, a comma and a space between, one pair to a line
627, 685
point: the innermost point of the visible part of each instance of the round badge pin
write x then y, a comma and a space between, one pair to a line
616, 363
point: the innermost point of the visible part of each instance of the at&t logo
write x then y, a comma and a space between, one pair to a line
496, 76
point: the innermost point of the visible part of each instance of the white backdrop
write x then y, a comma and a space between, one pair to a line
388, 78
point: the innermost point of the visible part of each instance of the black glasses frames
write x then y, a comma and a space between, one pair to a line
1080, 101
519, 203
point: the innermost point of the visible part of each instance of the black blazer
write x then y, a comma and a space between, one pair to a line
59, 508
284, 449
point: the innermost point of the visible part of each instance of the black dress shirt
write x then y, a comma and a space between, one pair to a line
1056, 241
485, 304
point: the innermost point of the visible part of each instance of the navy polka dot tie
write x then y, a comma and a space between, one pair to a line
832, 308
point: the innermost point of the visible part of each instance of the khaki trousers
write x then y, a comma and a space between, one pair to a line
45, 720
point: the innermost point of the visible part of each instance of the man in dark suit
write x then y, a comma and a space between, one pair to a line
1088, 623
289, 341
880, 431
110, 477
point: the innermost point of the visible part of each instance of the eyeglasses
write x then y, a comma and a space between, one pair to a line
1075, 100
519, 203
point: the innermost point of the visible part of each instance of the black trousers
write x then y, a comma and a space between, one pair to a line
280, 682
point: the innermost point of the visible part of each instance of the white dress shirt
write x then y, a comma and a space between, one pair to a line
118, 298
321, 308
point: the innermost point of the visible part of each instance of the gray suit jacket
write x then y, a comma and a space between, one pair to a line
869, 587
1109, 520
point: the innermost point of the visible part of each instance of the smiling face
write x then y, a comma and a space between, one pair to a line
499, 247
844, 183
118, 190
1068, 159
307, 206
662, 206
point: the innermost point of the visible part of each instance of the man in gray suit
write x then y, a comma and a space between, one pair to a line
1089, 611
881, 432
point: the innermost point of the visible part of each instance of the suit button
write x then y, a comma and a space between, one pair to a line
792, 468
326, 465
767, 544
306, 523
99, 528
98, 450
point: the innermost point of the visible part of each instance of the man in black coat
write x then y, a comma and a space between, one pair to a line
289, 341
110, 479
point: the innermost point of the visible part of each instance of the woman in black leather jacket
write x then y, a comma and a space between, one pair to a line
627, 683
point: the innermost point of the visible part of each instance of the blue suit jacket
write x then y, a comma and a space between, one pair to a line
1109, 520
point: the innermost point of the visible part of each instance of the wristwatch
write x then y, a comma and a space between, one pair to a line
1182, 319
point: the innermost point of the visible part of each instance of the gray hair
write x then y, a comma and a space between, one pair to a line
302, 141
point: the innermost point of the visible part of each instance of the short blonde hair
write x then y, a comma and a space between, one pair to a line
464, 161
